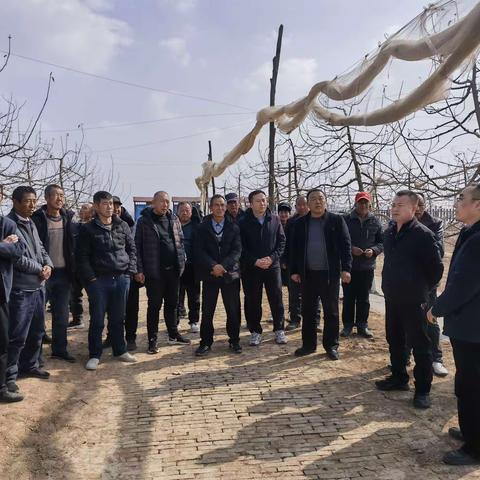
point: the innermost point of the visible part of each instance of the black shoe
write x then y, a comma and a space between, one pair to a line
332, 354
107, 343
152, 347
76, 323
178, 340
47, 339
346, 332
131, 345
235, 347
64, 356
364, 332
10, 397
35, 373
460, 457
422, 401
456, 433
12, 387
303, 351
292, 326
202, 350
391, 383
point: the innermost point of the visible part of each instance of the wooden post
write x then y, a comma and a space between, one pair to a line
271, 144
210, 159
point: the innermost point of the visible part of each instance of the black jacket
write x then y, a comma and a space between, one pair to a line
412, 264
366, 234
9, 252
435, 225
101, 251
261, 240
147, 242
209, 252
337, 240
126, 217
69, 234
240, 215
459, 303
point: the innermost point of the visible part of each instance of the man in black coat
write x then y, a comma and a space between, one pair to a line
367, 243
412, 267
160, 263
56, 230
234, 210
459, 304
320, 256
263, 242
217, 255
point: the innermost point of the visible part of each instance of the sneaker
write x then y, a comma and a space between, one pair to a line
194, 328
152, 347
460, 457
235, 347
439, 369
365, 332
454, 432
76, 324
346, 332
12, 386
131, 345
292, 326
181, 313
35, 373
10, 397
391, 383
126, 358
303, 351
280, 337
64, 356
202, 350
178, 340
255, 339
422, 401
92, 363
332, 354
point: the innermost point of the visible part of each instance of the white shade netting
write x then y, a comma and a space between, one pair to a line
443, 35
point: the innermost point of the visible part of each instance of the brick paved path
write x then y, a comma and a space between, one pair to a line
261, 415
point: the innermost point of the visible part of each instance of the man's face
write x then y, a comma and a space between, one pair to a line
26, 206
467, 207
301, 206
104, 208
117, 209
317, 203
185, 213
362, 207
403, 209
218, 208
161, 204
56, 199
86, 212
233, 207
284, 215
420, 207
259, 204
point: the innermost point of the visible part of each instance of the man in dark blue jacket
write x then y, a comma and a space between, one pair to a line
11, 249
217, 255
412, 267
367, 243
459, 304
263, 242
106, 259
56, 231
320, 256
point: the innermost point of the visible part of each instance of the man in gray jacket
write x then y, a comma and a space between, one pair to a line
27, 299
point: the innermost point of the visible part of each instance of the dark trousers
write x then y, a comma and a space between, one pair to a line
131, 312
26, 329
295, 303
107, 295
315, 285
76, 295
58, 290
406, 324
356, 299
3, 343
231, 300
191, 288
159, 290
253, 282
467, 390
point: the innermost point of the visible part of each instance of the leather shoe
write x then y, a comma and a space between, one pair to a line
456, 433
64, 356
422, 401
364, 332
346, 332
10, 397
235, 347
12, 387
460, 457
202, 350
292, 326
332, 354
35, 373
303, 351
391, 383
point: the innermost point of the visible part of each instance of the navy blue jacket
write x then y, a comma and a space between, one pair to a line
261, 240
9, 252
337, 241
435, 225
459, 303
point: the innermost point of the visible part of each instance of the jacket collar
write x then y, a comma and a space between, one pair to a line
353, 214
115, 221
249, 214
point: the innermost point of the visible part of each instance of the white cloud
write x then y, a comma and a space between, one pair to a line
181, 6
177, 47
71, 32
101, 5
157, 105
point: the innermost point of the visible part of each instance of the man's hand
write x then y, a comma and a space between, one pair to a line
139, 277
46, 272
10, 239
368, 253
430, 318
218, 271
357, 251
296, 278
346, 277
264, 263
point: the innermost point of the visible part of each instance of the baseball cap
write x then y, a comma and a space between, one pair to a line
284, 206
363, 196
230, 197
117, 200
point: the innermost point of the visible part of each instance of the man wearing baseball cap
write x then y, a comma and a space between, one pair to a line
367, 243
234, 211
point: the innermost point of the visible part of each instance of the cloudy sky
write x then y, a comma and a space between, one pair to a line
215, 53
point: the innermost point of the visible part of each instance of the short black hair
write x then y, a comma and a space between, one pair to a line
214, 197
180, 204
313, 190
19, 192
102, 195
413, 197
252, 194
49, 189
